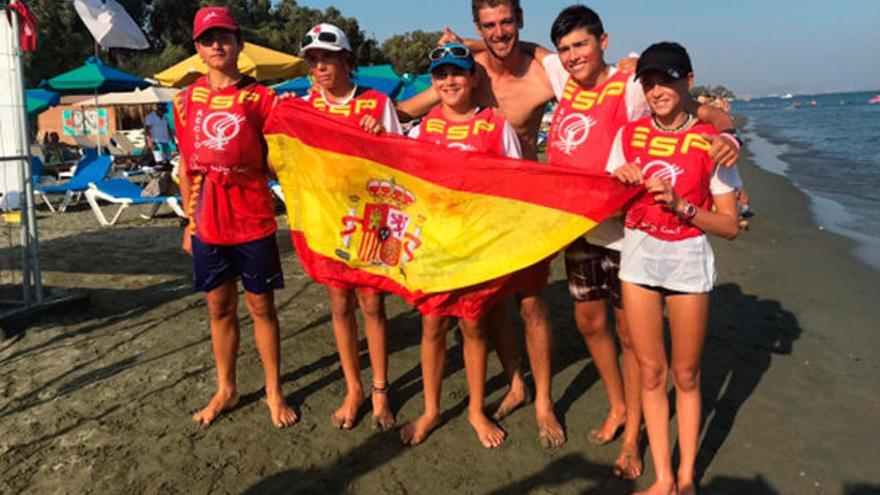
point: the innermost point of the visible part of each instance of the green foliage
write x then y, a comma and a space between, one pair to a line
408, 52
65, 43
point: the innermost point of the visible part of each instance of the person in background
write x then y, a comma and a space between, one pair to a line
158, 135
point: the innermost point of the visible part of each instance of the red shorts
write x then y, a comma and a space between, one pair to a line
472, 303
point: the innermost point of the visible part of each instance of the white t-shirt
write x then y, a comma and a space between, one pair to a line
159, 131
608, 234
509, 140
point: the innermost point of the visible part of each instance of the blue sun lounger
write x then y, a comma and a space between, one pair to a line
124, 193
90, 168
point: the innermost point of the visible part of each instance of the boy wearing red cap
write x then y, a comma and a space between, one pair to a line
230, 231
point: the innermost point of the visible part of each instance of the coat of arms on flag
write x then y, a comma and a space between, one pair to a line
389, 236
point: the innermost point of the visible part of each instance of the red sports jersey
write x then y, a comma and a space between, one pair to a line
221, 141
483, 132
586, 122
681, 159
365, 101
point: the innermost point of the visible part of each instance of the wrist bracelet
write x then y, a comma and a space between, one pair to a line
733, 134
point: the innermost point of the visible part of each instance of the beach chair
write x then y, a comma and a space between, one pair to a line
90, 168
37, 176
125, 144
124, 193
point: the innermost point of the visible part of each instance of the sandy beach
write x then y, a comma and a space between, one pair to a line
99, 401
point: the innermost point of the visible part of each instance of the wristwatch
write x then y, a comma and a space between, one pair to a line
688, 212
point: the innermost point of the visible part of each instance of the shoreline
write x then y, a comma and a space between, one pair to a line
771, 156
100, 401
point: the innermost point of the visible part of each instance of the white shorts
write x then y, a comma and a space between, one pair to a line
687, 265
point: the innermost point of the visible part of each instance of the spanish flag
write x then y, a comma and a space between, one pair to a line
413, 218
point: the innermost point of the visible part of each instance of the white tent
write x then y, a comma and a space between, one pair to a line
12, 132
148, 96
15, 164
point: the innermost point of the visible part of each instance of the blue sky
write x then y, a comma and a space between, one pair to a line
753, 47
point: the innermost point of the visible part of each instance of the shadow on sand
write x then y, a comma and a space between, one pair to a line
744, 333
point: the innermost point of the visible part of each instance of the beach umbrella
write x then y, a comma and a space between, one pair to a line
38, 100
259, 62
413, 84
95, 77
382, 78
299, 86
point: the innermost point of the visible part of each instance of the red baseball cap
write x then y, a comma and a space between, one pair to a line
213, 17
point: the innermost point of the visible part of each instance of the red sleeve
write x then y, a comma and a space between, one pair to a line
265, 104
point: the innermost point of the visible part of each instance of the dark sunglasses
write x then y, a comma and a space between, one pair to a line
211, 36
454, 51
324, 37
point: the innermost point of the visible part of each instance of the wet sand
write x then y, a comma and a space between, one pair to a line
100, 401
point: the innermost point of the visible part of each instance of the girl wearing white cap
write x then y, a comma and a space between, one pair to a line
327, 51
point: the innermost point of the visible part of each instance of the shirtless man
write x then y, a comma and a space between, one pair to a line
513, 79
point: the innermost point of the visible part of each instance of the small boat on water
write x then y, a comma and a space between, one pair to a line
786, 96
875, 100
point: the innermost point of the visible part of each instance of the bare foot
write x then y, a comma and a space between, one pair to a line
686, 485
223, 400
629, 463
605, 434
383, 418
516, 397
282, 415
550, 432
659, 488
346, 416
489, 434
415, 432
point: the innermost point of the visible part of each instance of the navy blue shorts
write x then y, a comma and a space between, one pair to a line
257, 263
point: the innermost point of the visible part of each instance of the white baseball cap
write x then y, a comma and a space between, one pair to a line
327, 37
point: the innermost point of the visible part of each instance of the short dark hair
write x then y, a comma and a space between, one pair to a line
576, 17
350, 59
476, 5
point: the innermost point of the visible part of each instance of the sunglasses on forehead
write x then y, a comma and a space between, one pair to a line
453, 51
325, 37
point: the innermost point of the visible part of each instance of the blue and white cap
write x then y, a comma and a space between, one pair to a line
452, 54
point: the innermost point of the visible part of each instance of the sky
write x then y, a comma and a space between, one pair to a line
754, 47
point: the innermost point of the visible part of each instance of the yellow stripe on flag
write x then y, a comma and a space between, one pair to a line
456, 238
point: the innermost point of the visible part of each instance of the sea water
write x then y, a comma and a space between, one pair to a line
829, 146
